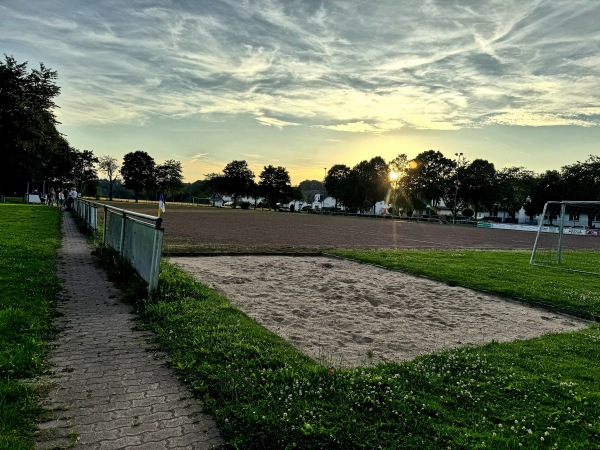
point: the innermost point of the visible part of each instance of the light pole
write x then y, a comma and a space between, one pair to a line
323, 199
456, 184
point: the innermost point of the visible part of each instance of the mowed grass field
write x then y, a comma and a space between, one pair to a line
29, 242
539, 393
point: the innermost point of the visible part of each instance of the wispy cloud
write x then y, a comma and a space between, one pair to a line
272, 122
356, 127
351, 66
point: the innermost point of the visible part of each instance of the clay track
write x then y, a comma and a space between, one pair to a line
190, 229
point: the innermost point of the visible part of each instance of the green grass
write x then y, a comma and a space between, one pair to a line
13, 200
576, 260
29, 241
539, 393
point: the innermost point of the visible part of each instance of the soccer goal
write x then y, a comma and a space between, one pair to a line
200, 201
568, 237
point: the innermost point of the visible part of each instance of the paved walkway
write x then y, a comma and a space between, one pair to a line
109, 389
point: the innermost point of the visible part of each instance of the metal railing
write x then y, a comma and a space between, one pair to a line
136, 237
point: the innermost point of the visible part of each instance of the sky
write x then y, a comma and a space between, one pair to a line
309, 84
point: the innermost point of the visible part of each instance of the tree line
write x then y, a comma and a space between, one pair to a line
419, 184
467, 187
33, 149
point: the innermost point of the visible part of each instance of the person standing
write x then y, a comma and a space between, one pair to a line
51, 195
61, 198
71, 199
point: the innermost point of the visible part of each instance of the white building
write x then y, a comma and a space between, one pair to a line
320, 203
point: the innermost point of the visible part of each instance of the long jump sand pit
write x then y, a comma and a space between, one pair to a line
348, 314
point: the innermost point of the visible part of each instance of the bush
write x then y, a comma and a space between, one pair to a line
245, 205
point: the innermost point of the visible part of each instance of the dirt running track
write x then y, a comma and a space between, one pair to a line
226, 229
205, 229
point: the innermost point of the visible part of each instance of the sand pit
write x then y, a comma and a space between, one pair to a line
348, 314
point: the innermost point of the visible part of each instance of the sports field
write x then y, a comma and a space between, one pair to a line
528, 393
191, 229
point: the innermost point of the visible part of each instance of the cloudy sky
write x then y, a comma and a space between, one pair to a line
307, 84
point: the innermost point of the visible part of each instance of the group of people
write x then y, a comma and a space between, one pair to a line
60, 197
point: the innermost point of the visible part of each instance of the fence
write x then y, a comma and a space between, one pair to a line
137, 237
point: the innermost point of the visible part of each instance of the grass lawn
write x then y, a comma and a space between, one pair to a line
539, 393
583, 261
29, 242
14, 200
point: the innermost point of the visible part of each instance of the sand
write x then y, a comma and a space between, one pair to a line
345, 314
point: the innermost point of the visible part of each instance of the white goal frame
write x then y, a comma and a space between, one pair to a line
195, 203
566, 228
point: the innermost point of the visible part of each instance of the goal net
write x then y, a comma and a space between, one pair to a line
568, 237
201, 201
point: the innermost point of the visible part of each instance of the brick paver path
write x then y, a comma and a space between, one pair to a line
108, 388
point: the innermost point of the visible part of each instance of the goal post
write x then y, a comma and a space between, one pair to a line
201, 201
568, 236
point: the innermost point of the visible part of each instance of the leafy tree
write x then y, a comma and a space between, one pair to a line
169, 177
514, 187
213, 185
468, 212
479, 186
29, 141
336, 180
347, 192
399, 167
275, 185
581, 181
195, 189
138, 172
119, 191
59, 163
371, 180
296, 194
110, 166
429, 178
452, 189
237, 180
546, 187
310, 188
84, 172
